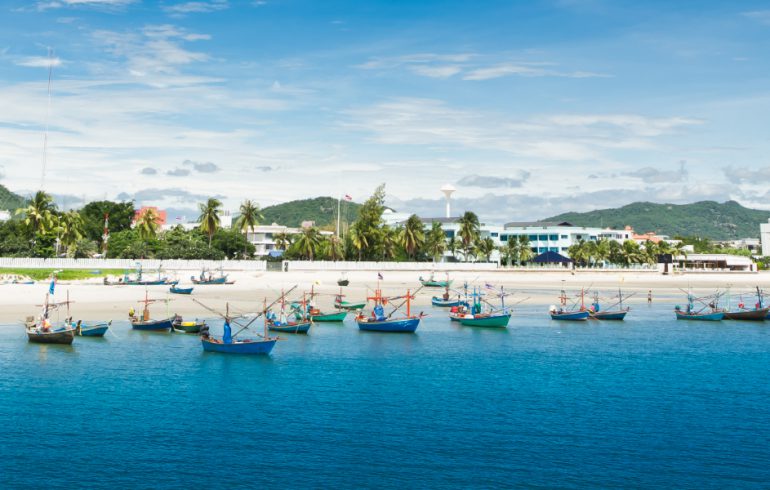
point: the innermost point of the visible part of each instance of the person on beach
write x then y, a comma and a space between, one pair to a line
649, 297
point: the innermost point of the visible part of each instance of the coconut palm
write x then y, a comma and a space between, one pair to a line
578, 252
485, 247
412, 236
650, 252
630, 253
525, 249
452, 245
282, 240
250, 216
209, 218
435, 242
602, 250
335, 248
70, 228
148, 223
389, 240
359, 238
469, 231
308, 242
38, 213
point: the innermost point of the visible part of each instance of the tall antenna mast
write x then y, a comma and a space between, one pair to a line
47, 118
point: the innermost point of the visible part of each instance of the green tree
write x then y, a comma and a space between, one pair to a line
249, 218
435, 242
578, 252
413, 236
468, 232
209, 217
525, 249
70, 228
631, 253
121, 215
148, 224
367, 228
335, 248
307, 242
388, 240
38, 213
602, 250
282, 240
359, 238
485, 247
233, 244
452, 246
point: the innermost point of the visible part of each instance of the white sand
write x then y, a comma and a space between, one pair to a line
95, 301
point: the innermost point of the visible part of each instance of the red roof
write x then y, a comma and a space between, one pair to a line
161, 214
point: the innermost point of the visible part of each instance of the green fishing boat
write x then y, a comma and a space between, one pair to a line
491, 320
329, 317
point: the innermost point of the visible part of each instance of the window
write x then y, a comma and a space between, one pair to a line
534, 250
564, 237
532, 238
542, 249
503, 238
553, 238
543, 238
554, 249
564, 249
494, 234
449, 233
268, 236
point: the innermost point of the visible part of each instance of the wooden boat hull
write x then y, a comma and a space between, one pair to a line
256, 347
436, 284
95, 330
153, 325
330, 317
176, 290
615, 315
405, 325
444, 303
188, 327
748, 315
62, 336
570, 316
496, 321
349, 306
303, 327
708, 317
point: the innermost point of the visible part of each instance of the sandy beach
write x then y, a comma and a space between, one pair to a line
92, 300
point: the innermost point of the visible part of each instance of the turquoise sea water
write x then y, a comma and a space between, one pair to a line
650, 402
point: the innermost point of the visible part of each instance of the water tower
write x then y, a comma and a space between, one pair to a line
448, 190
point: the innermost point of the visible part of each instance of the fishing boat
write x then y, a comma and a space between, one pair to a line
614, 312
343, 280
177, 290
139, 280
708, 311
282, 323
42, 331
146, 323
92, 329
181, 326
316, 315
574, 313
341, 304
431, 282
229, 343
445, 301
379, 322
486, 317
758, 313
206, 277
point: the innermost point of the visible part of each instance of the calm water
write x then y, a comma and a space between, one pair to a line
647, 402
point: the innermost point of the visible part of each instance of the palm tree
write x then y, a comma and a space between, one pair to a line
452, 246
578, 252
282, 240
389, 239
616, 252
602, 250
650, 253
630, 253
250, 216
308, 242
147, 223
485, 247
469, 231
413, 236
435, 242
70, 228
335, 248
38, 213
209, 218
358, 238
525, 250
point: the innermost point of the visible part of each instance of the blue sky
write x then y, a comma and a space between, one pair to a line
528, 108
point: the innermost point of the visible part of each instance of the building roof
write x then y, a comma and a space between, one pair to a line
551, 258
440, 220
541, 224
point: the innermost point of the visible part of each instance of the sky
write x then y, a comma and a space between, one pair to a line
529, 108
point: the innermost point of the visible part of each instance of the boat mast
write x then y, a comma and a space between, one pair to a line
339, 204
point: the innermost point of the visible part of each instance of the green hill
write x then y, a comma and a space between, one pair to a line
322, 210
9, 200
705, 219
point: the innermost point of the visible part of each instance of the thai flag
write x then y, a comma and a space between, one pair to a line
51, 287
348, 198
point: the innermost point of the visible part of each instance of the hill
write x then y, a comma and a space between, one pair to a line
705, 219
322, 210
9, 200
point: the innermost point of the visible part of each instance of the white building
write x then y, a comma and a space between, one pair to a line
263, 238
764, 238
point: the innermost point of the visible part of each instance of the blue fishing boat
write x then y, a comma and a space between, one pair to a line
206, 277
490, 316
619, 313
177, 290
43, 331
281, 323
379, 322
229, 345
709, 312
563, 313
146, 323
445, 303
92, 330
139, 280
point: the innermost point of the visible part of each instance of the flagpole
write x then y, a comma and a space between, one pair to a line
339, 204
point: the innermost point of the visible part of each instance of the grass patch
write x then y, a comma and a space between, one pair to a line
64, 275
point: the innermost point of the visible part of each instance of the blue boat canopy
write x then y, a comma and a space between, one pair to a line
275, 253
551, 258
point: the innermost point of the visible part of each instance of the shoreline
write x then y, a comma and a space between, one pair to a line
92, 300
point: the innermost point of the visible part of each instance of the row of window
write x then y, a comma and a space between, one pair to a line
535, 238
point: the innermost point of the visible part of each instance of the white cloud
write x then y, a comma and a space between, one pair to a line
526, 70
196, 7
441, 71
104, 4
39, 62
761, 16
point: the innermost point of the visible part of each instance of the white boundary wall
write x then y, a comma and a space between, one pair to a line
129, 264
306, 265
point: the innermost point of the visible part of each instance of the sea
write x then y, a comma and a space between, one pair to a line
650, 402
